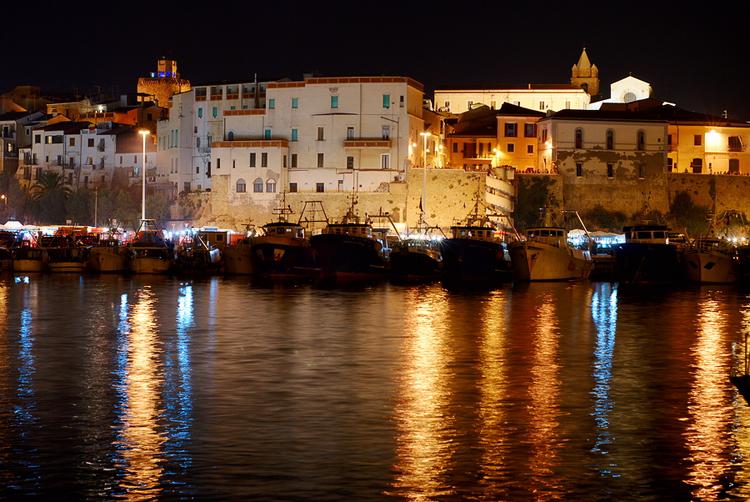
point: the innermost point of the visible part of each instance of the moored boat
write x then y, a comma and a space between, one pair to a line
149, 252
418, 256
647, 256
108, 255
64, 255
712, 261
29, 259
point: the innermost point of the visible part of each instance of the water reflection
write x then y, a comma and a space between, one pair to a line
423, 447
604, 314
140, 440
707, 435
544, 397
494, 431
178, 391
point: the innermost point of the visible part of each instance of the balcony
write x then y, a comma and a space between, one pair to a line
367, 143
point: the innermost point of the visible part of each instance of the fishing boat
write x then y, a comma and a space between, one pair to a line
149, 252
8, 240
418, 257
28, 258
546, 255
712, 261
64, 254
348, 251
647, 256
195, 256
107, 254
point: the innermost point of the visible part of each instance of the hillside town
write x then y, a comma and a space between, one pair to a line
223, 153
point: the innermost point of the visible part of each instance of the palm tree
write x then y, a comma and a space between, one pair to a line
49, 194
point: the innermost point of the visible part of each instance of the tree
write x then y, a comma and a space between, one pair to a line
533, 194
684, 213
49, 195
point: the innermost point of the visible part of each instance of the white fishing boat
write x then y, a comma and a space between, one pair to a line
546, 255
712, 261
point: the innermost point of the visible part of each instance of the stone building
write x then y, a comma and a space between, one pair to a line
162, 84
585, 75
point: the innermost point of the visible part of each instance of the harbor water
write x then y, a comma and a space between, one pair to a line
138, 388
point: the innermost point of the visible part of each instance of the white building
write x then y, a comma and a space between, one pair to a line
15, 133
321, 135
626, 90
542, 97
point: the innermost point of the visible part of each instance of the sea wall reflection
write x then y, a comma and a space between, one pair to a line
423, 446
140, 374
707, 435
604, 315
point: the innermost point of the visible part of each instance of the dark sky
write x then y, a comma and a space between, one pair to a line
696, 60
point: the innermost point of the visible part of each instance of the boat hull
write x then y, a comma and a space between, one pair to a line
711, 267
237, 260
414, 264
469, 262
107, 261
644, 263
70, 267
149, 265
536, 261
347, 258
28, 265
282, 259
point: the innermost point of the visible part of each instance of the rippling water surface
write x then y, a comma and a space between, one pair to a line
138, 388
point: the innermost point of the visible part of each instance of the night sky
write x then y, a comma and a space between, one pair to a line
696, 60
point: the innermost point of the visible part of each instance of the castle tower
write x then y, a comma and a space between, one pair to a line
585, 75
162, 84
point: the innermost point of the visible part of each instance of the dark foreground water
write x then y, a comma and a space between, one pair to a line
155, 387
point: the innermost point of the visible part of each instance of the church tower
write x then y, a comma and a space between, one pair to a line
585, 75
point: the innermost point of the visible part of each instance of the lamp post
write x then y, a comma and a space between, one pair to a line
144, 133
424, 171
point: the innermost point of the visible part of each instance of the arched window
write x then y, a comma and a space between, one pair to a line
641, 141
579, 138
241, 186
610, 139
230, 136
271, 186
258, 185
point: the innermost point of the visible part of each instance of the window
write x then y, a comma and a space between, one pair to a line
200, 112
610, 139
401, 101
544, 135
272, 103
350, 162
218, 163
320, 160
669, 139
697, 140
267, 133
579, 138
386, 100
294, 160
541, 105
271, 186
386, 131
49, 139
511, 130
295, 103
610, 170
258, 185
734, 166
469, 105
350, 133
230, 136
295, 135
71, 142
215, 111
234, 163
252, 159
385, 160
670, 164
197, 142
734, 144
319, 187
579, 169
529, 130
241, 186
697, 165
567, 105
292, 187
264, 159
334, 101
641, 141
510, 147
455, 147
321, 133
529, 148
283, 161
38, 139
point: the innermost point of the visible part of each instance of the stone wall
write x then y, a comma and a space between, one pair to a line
729, 192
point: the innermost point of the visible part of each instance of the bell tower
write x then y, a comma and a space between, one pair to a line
585, 75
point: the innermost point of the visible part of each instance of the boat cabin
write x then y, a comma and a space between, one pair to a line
647, 234
353, 229
284, 229
474, 233
214, 238
553, 236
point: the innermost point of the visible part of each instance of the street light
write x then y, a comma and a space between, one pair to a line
424, 172
144, 133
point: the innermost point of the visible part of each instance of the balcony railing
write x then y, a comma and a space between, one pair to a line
367, 143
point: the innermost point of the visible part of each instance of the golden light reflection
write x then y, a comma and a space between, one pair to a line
423, 445
141, 439
544, 394
742, 411
493, 431
707, 436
